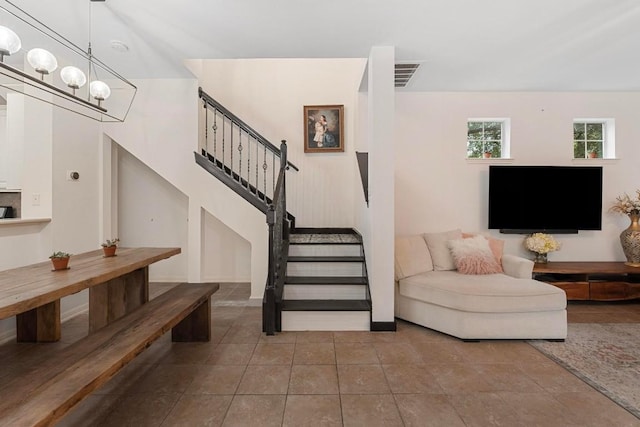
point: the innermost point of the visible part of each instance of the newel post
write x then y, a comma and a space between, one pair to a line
283, 154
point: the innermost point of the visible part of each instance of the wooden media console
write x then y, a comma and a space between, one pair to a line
591, 281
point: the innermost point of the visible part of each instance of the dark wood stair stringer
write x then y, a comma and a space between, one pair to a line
238, 184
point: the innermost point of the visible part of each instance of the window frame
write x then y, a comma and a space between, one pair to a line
505, 132
608, 137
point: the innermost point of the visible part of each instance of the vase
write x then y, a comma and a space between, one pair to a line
630, 241
60, 263
109, 251
540, 258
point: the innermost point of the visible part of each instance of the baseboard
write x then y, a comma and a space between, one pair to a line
204, 280
255, 302
7, 336
168, 279
226, 280
383, 326
73, 312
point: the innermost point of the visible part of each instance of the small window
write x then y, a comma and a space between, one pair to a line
487, 138
593, 139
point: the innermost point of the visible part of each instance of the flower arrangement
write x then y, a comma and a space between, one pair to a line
541, 243
626, 205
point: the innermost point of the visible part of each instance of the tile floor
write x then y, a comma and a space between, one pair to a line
413, 377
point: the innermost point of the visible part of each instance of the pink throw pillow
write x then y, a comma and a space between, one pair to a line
496, 246
473, 256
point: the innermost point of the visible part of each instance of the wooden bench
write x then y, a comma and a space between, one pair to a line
51, 389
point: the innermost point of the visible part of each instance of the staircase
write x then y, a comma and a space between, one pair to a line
317, 278
326, 285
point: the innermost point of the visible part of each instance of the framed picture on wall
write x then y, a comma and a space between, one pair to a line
324, 128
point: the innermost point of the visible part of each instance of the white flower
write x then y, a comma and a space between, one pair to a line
541, 243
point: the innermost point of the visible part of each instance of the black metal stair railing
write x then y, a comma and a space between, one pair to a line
238, 155
255, 169
279, 227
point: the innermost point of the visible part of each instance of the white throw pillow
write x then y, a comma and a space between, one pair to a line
411, 256
440, 253
473, 256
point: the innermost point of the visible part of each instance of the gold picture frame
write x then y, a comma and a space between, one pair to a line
324, 128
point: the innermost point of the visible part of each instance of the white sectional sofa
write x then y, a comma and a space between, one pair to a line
507, 305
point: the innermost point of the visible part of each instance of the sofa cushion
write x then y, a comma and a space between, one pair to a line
439, 249
496, 245
491, 293
411, 257
472, 255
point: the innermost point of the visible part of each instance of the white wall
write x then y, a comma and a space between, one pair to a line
4, 147
37, 166
13, 163
269, 94
226, 256
151, 212
75, 215
69, 142
75, 203
162, 131
437, 188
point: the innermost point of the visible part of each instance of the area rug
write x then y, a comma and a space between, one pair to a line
605, 355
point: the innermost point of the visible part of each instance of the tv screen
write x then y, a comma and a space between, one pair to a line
558, 199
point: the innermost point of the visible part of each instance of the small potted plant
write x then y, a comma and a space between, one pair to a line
593, 154
60, 260
487, 154
109, 247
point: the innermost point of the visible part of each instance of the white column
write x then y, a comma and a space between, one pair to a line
14, 149
381, 113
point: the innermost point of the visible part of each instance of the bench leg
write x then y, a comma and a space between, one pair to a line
42, 324
196, 327
117, 297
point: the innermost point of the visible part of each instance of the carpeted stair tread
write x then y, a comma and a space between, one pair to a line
324, 237
324, 280
325, 305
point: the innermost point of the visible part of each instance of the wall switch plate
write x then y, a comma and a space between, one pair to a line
35, 199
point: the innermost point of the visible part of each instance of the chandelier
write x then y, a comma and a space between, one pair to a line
39, 62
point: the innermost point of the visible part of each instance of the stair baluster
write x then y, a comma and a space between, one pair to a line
240, 154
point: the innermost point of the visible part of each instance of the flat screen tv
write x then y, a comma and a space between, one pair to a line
554, 199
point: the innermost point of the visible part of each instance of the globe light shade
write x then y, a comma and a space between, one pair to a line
73, 77
99, 90
42, 61
9, 42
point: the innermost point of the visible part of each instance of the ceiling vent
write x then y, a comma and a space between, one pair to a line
403, 73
